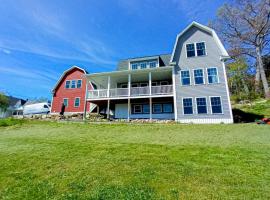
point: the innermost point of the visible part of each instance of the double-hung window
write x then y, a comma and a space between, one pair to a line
143, 65
216, 105
198, 76
67, 84
187, 106
212, 75
200, 46
73, 84
153, 64
185, 77
134, 66
77, 102
201, 105
79, 83
190, 50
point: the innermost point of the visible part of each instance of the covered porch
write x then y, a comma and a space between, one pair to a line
131, 83
137, 108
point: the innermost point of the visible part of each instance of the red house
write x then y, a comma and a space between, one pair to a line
70, 90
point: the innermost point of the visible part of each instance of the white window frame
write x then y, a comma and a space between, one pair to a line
69, 84
194, 50
206, 101
134, 110
194, 76
157, 65
77, 83
183, 112
64, 102
195, 47
75, 102
221, 104
181, 77
134, 64
217, 75
204, 46
146, 66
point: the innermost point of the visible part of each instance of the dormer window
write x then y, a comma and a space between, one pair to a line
143, 65
190, 50
153, 64
134, 66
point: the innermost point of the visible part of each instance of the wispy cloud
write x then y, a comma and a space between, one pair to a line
54, 26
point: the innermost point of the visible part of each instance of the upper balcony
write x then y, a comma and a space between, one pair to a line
131, 84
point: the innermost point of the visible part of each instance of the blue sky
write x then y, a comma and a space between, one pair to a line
40, 39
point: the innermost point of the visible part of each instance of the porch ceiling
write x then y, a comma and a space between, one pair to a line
101, 79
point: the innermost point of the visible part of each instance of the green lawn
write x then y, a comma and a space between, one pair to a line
46, 160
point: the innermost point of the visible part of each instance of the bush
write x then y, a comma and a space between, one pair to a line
10, 122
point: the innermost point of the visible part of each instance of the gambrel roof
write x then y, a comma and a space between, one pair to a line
207, 29
64, 74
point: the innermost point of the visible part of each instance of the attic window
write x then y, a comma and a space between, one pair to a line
200, 46
153, 64
190, 50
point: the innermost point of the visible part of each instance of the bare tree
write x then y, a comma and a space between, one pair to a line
245, 26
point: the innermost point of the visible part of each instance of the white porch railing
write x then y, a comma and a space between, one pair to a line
134, 91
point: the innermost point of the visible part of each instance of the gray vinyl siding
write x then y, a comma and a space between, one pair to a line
212, 59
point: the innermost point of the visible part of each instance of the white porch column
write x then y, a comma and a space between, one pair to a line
129, 84
174, 94
150, 108
109, 86
128, 109
108, 109
85, 99
150, 83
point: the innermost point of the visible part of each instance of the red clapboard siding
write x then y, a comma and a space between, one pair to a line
61, 92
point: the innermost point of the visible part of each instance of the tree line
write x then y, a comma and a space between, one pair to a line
244, 27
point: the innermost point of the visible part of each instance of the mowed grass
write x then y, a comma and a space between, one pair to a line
47, 160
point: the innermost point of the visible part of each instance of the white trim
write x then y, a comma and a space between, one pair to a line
77, 83
67, 102
224, 53
174, 94
207, 75
131, 97
194, 76
75, 102
196, 107
221, 104
207, 121
204, 49
227, 89
64, 73
134, 105
181, 77
183, 112
194, 50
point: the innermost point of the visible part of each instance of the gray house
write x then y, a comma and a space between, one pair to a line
189, 85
